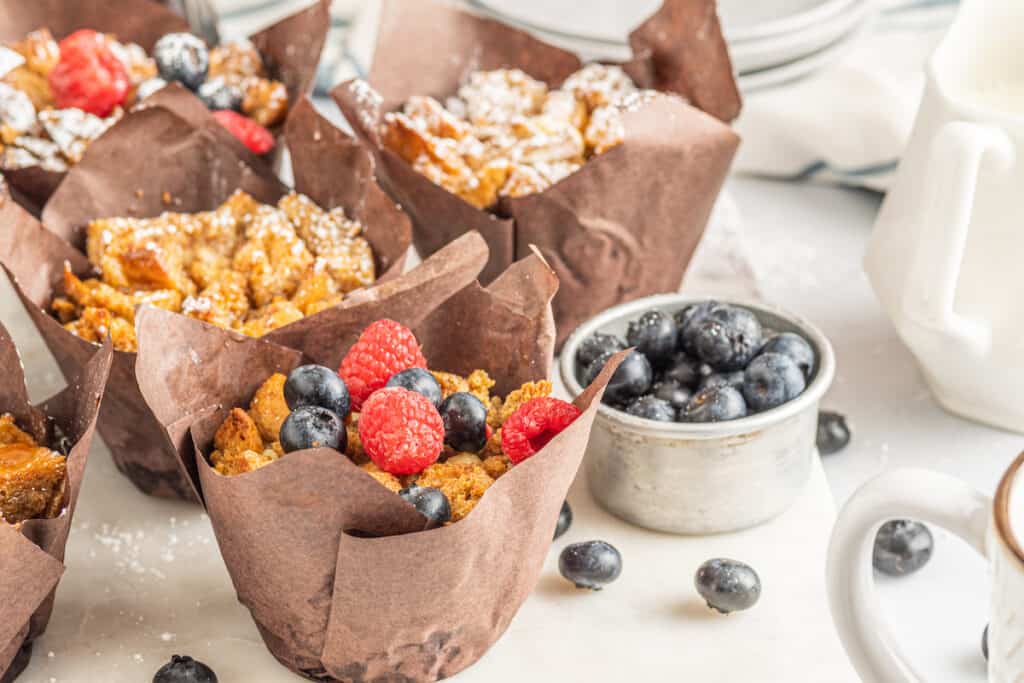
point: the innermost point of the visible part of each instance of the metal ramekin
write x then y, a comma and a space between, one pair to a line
701, 478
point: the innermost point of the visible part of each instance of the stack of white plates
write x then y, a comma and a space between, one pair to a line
771, 41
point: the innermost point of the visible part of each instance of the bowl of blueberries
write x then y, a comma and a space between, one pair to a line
708, 425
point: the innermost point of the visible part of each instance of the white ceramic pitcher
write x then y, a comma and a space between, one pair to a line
947, 254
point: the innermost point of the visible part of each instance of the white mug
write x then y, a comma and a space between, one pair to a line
944, 501
945, 256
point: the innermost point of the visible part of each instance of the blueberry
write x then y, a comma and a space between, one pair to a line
430, 502
728, 585
420, 381
724, 379
465, 422
655, 335
316, 385
685, 370
182, 57
591, 564
184, 669
670, 391
591, 371
148, 87
770, 380
564, 519
714, 404
688, 320
727, 337
833, 432
902, 547
632, 378
794, 346
984, 642
597, 345
652, 408
217, 94
313, 427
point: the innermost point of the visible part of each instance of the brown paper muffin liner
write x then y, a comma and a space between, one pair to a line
623, 226
199, 174
32, 554
291, 48
337, 571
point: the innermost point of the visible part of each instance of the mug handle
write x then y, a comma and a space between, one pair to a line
931, 497
950, 183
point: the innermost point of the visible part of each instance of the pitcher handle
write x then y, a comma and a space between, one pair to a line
924, 495
951, 180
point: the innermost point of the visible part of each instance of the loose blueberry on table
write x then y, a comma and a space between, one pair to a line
727, 585
184, 669
833, 432
564, 519
902, 547
984, 642
591, 564
707, 362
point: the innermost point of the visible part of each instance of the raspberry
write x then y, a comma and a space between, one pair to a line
401, 431
254, 136
533, 424
88, 76
383, 349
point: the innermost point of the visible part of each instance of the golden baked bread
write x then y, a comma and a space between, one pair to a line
506, 134
244, 266
32, 477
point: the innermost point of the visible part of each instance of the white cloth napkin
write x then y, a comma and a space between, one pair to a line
849, 122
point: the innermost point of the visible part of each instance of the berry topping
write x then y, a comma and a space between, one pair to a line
833, 432
255, 137
592, 564
794, 346
316, 385
401, 430
902, 547
727, 337
655, 335
184, 669
431, 503
670, 391
465, 422
217, 93
727, 585
182, 57
714, 404
770, 380
313, 427
564, 519
632, 378
533, 425
89, 76
420, 381
597, 345
652, 408
382, 350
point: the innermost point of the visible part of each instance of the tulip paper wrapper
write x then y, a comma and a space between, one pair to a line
336, 570
199, 174
290, 48
32, 554
627, 223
